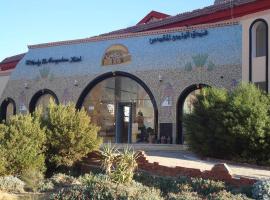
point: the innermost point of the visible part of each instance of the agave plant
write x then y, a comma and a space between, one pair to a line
109, 154
126, 166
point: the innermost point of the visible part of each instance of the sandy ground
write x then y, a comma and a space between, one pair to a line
189, 160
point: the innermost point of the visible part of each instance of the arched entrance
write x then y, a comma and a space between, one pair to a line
8, 108
185, 105
42, 98
123, 106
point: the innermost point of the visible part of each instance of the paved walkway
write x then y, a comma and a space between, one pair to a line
189, 160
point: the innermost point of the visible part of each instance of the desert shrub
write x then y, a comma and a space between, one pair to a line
45, 186
181, 185
184, 196
125, 166
231, 124
100, 188
11, 184
225, 195
32, 178
109, 154
119, 165
22, 145
205, 186
3, 161
165, 184
61, 180
261, 190
70, 134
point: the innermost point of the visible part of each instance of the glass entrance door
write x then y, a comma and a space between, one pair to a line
124, 123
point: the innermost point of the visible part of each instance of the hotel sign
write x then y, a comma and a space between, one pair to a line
181, 36
45, 61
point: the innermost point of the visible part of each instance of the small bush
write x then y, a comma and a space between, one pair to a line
231, 125
61, 180
224, 195
45, 186
71, 135
32, 179
181, 184
261, 190
22, 145
11, 184
184, 196
99, 188
205, 186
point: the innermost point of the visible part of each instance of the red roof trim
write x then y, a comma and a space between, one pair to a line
153, 14
187, 17
237, 12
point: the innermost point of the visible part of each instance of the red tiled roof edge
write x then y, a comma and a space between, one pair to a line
10, 63
157, 15
182, 17
128, 35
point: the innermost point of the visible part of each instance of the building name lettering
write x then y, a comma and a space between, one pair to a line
181, 36
45, 61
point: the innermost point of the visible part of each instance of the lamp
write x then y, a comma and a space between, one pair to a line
26, 86
76, 83
160, 78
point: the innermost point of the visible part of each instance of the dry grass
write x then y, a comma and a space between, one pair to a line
26, 196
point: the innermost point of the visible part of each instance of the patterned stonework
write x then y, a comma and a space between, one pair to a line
215, 60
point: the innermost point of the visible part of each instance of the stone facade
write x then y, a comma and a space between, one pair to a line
214, 59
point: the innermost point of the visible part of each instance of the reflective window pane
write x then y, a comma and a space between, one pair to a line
43, 101
10, 111
124, 98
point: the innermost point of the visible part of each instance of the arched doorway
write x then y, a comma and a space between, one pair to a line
42, 98
8, 108
185, 105
123, 106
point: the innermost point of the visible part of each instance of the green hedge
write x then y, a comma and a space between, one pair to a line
22, 145
231, 124
61, 136
70, 134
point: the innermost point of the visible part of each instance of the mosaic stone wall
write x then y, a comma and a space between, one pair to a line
214, 59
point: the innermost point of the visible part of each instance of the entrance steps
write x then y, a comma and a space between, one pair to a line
153, 147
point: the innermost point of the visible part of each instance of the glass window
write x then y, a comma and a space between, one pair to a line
189, 105
261, 39
10, 110
261, 85
189, 101
124, 98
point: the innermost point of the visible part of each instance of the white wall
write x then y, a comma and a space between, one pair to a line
4, 77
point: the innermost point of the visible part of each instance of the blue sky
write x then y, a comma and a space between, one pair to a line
25, 22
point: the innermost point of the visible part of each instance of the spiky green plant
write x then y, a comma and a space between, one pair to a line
109, 153
126, 166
